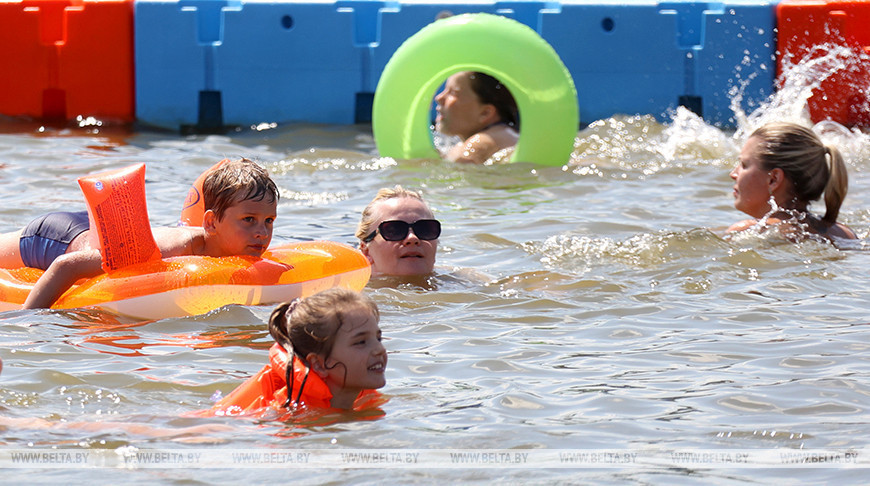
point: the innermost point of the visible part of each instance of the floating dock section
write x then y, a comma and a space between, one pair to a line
215, 63
60, 59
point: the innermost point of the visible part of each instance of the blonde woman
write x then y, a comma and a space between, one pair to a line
784, 167
399, 234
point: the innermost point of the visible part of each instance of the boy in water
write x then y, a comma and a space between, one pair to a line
241, 203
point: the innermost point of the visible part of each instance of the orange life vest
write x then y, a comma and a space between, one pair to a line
268, 390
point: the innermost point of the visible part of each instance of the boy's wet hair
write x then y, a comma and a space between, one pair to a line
237, 181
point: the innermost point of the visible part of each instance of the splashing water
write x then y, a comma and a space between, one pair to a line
797, 83
795, 227
638, 147
639, 142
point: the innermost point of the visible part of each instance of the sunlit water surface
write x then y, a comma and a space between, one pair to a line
591, 306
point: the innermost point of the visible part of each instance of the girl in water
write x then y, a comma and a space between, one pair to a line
783, 168
481, 111
327, 354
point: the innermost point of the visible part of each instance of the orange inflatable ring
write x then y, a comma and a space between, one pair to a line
141, 285
191, 285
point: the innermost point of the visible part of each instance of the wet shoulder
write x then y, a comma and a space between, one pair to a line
180, 240
475, 150
741, 225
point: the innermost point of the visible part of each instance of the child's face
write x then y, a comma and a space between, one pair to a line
410, 256
246, 228
751, 182
358, 348
459, 108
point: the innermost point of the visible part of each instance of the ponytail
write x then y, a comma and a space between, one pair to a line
813, 167
837, 185
279, 328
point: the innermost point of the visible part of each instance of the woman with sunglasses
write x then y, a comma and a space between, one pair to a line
399, 234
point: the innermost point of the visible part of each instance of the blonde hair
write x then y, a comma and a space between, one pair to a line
236, 181
812, 167
365, 224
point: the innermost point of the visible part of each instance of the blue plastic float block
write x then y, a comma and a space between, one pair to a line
211, 63
227, 62
737, 61
650, 57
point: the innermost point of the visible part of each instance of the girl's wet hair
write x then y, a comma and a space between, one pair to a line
310, 325
490, 91
812, 167
237, 181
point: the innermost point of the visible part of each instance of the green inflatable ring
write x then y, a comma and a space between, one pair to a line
506, 49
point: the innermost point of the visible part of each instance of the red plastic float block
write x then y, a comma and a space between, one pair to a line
61, 59
814, 30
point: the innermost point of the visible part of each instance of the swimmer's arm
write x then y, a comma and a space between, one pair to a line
476, 150
741, 225
195, 433
61, 275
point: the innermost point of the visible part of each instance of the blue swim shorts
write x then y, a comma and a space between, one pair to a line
47, 237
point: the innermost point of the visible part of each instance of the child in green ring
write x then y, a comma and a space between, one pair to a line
481, 111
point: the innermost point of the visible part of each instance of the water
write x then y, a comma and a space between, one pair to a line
591, 307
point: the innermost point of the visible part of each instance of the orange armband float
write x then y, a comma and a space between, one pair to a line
119, 217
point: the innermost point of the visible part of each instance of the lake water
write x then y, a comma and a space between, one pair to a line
592, 307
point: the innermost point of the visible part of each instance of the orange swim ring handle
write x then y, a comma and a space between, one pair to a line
194, 206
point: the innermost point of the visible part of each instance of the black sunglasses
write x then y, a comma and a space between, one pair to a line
425, 229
